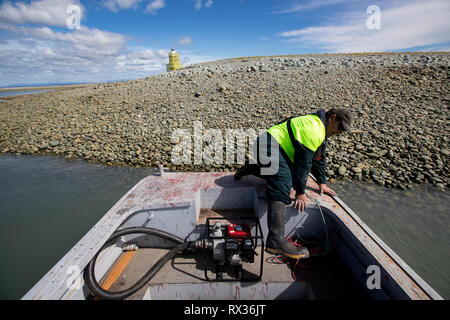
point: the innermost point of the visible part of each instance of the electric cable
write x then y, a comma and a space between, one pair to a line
326, 246
323, 218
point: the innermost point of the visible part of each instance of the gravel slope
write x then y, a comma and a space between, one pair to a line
400, 105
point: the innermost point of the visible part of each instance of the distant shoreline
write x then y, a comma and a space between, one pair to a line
62, 86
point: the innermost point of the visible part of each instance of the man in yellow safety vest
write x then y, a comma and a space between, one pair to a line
285, 155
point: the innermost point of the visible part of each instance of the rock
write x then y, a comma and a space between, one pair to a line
341, 170
43, 146
356, 170
441, 186
379, 181
382, 153
402, 186
374, 173
54, 143
392, 168
385, 174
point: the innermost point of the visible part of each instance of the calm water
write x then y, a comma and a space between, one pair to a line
49, 203
20, 92
413, 223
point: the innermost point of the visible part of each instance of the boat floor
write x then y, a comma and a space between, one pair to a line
318, 277
321, 277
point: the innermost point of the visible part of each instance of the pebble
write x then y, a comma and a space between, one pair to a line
356, 170
342, 170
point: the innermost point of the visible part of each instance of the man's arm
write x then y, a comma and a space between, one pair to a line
318, 170
301, 168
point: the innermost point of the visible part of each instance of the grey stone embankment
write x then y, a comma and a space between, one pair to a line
399, 101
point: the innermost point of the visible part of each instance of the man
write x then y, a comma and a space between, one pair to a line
301, 142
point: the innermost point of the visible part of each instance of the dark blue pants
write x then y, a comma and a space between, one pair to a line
279, 183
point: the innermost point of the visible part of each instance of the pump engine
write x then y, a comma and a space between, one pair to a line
232, 244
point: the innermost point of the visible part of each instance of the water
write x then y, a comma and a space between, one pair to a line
20, 92
49, 203
413, 223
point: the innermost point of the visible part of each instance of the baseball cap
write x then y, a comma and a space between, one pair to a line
345, 115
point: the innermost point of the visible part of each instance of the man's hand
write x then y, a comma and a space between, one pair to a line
300, 202
324, 188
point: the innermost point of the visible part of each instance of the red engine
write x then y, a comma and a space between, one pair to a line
238, 230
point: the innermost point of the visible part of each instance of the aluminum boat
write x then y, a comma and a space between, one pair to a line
206, 242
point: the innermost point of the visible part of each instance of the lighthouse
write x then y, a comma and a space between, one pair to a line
174, 61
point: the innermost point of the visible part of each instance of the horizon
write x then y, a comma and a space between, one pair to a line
85, 41
50, 84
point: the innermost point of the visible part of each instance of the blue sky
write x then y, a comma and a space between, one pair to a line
130, 39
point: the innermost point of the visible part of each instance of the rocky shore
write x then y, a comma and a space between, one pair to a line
399, 101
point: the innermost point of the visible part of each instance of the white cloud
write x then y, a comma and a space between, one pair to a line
116, 5
144, 61
86, 42
39, 12
309, 5
188, 57
185, 41
37, 55
199, 3
155, 5
408, 25
33, 51
43, 55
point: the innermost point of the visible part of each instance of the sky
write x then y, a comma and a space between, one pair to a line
77, 41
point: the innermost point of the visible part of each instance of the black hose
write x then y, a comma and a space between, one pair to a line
97, 290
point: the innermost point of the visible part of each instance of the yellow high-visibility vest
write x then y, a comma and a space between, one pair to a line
309, 130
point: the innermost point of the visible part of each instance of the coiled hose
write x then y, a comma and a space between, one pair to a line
89, 274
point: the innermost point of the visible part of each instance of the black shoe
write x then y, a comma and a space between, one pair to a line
276, 242
288, 249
